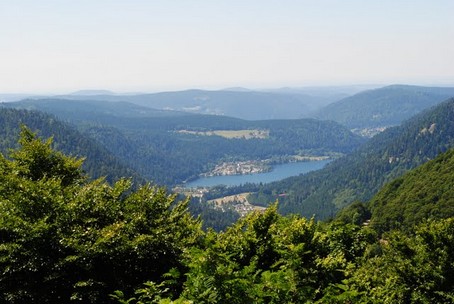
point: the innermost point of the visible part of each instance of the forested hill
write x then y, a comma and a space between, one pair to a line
169, 148
384, 107
99, 162
66, 238
79, 111
251, 105
360, 175
426, 192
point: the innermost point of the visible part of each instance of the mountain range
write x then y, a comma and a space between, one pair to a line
356, 107
169, 146
383, 107
250, 105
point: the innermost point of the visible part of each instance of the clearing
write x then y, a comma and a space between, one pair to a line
245, 134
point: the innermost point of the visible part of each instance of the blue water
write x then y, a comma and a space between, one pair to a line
279, 172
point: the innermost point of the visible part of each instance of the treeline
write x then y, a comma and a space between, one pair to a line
64, 237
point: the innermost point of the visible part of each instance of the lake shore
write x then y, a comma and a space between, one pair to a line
276, 173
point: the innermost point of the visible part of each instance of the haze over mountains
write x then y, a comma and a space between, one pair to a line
130, 115
356, 107
163, 136
383, 107
250, 105
393, 181
281, 103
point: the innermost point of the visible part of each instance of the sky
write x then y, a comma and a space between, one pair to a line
60, 46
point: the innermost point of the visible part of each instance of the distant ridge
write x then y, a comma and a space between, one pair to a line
89, 110
236, 102
92, 92
384, 107
237, 89
343, 90
14, 97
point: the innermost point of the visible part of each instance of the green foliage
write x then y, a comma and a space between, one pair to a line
423, 193
36, 160
154, 148
64, 237
213, 218
267, 258
99, 162
356, 213
152, 145
361, 174
416, 269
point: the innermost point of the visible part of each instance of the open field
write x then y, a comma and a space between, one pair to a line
239, 202
245, 134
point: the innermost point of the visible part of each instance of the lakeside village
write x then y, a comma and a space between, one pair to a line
239, 168
238, 202
257, 166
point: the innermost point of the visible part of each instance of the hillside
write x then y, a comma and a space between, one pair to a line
250, 105
90, 110
361, 174
65, 237
384, 107
426, 192
99, 161
171, 147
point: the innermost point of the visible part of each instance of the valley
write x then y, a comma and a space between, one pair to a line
280, 189
226, 152
170, 147
238, 168
173, 147
275, 172
238, 202
242, 134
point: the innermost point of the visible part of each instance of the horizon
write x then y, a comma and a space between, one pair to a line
366, 86
360, 86
56, 47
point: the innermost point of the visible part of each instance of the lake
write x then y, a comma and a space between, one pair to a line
278, 172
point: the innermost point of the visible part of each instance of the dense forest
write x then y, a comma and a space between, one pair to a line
359, 175
152, 142
65, 237
384, 107
426, 192
99, 161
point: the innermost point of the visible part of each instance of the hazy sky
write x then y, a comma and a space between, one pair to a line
149, 45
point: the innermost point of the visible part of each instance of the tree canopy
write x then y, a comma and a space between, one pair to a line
67, 238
